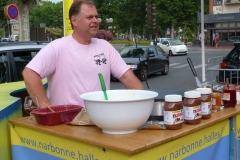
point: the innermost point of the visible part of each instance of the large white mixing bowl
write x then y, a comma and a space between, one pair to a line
122, 113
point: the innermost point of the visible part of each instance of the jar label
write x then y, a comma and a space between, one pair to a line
173, 117
192, 113
226, 96
214, 101
206, 108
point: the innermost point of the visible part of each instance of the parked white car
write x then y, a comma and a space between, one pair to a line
160, 40
173, 47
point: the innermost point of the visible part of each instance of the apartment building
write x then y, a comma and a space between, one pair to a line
223, 19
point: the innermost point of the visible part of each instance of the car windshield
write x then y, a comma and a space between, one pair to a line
175, 42
132, 52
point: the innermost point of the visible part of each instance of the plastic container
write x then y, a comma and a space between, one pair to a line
62, 114
206, 102
124, 111
173, 112
192, 107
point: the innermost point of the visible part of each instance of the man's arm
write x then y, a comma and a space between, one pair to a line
35, 87
130, 81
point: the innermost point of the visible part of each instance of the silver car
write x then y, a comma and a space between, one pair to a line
14, 56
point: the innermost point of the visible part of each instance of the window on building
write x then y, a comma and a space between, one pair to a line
238, 33
224, 37
224, 25
217, 2
231, 24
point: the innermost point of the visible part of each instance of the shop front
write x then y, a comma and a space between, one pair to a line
226, 26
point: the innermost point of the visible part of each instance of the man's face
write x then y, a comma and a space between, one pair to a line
86, 22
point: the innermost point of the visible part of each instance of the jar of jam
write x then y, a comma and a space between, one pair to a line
229, 95
173, 112
206, 105
216, 101
192, 107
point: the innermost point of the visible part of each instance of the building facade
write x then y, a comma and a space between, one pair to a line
223, 20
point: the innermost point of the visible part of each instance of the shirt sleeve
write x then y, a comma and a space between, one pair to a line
118, 65
44, 62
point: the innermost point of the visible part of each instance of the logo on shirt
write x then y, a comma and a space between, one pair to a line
100, 59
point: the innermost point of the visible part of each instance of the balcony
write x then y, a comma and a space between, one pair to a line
229, 2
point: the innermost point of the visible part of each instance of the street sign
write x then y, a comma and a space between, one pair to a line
13, 21
11, 11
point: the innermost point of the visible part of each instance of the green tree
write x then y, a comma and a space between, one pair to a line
49, 13
189, 35
179, 13
3, 19
124, 13
127, 14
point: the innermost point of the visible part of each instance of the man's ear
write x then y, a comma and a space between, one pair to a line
74, 20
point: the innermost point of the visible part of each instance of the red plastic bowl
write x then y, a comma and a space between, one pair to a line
62, 114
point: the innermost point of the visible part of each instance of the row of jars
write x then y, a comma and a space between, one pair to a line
196, 105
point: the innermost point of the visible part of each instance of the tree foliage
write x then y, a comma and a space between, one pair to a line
48, 13
126, 14
189, 35
181, 13
3, 19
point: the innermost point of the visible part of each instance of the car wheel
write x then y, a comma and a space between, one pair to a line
170, 53
143, 74
166, 69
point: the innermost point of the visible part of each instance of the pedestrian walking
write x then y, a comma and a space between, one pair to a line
186, 40
216, 39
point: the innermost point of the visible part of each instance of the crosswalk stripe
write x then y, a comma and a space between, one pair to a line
173, 64
181, 66
176, 65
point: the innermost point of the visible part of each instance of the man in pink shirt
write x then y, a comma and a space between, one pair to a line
71, 64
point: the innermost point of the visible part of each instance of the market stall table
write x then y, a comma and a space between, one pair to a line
10, 107
211, 139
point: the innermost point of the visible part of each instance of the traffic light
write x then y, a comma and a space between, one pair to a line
151, 16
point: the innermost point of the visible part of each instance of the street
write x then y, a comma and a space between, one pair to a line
180, 75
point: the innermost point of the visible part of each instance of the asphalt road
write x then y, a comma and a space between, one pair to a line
180, 75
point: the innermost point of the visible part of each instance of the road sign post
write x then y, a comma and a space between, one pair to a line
11, 12
13, 21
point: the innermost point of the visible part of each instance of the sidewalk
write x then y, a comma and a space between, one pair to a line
210, 48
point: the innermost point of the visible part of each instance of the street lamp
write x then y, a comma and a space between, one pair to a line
112, 28
106, 22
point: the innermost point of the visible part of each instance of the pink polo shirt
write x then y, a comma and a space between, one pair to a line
72, 68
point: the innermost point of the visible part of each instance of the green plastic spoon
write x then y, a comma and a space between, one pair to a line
103, 85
